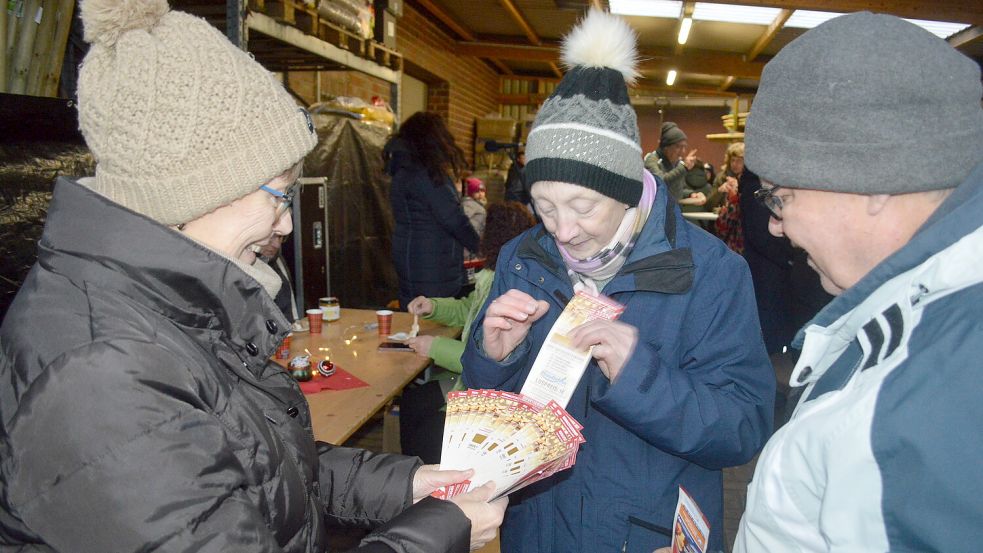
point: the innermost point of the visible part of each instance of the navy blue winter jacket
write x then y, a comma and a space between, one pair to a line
431, 229
695, 396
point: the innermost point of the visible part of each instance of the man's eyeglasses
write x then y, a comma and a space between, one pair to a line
771, 202
283, 199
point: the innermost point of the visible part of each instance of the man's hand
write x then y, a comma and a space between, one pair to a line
429, 478
421, 305
421, 345
690, 160
507, 322
485, 517
613, 341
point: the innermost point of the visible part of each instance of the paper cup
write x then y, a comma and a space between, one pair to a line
283, 352
385, 318
316, 318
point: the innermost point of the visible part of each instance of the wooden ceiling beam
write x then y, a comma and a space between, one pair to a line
654, 59
597, 5
728, 82
556, 70
521, 21
966, 37
769, 35
447, 19
506, 70
961, 11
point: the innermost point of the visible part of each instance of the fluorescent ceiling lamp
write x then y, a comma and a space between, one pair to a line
729, 13
939, 28
684, 28
671, 77
651, 8
805, 19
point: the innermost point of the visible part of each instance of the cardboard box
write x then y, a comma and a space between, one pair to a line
385, 28
492, 128
394, 7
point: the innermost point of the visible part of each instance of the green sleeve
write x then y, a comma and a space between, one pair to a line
451, 311
446, 352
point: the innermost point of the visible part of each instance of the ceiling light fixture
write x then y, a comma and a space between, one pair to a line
728, 13
650, 8
684, 28
671, 77
806, 19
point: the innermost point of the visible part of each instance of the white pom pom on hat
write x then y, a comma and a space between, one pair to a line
602, 40
105, 20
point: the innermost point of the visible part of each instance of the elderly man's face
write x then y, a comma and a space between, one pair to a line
675, 152
830, 227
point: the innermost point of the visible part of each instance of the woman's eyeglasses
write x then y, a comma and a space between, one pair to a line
283, 199
767, 198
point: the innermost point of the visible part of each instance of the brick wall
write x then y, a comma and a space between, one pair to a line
338, 83
459, 88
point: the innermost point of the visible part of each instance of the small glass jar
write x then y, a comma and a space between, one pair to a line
331, 308
300, 368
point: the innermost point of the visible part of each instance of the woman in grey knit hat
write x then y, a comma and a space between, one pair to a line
140, 409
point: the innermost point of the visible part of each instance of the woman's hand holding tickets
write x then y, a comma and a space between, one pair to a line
507, 322
485, 516
613, 342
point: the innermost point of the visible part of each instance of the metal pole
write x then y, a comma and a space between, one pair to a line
235, 23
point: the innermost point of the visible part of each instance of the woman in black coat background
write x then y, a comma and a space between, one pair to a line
431, 229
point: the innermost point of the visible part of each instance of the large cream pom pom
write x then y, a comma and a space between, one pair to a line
105, 20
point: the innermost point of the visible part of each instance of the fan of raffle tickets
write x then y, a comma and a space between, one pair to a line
517, 439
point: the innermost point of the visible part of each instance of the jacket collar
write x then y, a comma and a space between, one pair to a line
661, 261
89, 238
957, 217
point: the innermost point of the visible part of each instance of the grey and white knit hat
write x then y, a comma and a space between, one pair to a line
179, 120
866, 104
586, 133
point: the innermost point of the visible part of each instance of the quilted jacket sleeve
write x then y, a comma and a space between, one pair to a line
361, 488
92, 480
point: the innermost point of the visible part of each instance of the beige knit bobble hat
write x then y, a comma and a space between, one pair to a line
179, 120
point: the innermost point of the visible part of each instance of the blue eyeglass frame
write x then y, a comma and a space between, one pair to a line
285, 199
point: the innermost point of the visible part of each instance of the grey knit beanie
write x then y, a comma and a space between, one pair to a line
867, 104
179, 120
586, 133
671, 134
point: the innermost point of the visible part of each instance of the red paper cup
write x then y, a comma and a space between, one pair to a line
385, 319
315, 317
283, 352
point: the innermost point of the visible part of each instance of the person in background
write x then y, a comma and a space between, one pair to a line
516, 187
673, 162
769, 258
881, 451
474, 202
421, 411
725, 200
431, 229
680, 386
285, 300
140, 409
505, 222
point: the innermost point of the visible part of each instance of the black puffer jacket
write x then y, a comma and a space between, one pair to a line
139, 411
431, 229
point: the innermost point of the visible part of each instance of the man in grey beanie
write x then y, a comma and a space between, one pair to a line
673, 162
881, 452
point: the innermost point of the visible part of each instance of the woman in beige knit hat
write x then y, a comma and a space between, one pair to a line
139, 408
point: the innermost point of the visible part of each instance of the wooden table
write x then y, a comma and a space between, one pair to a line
337, 414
